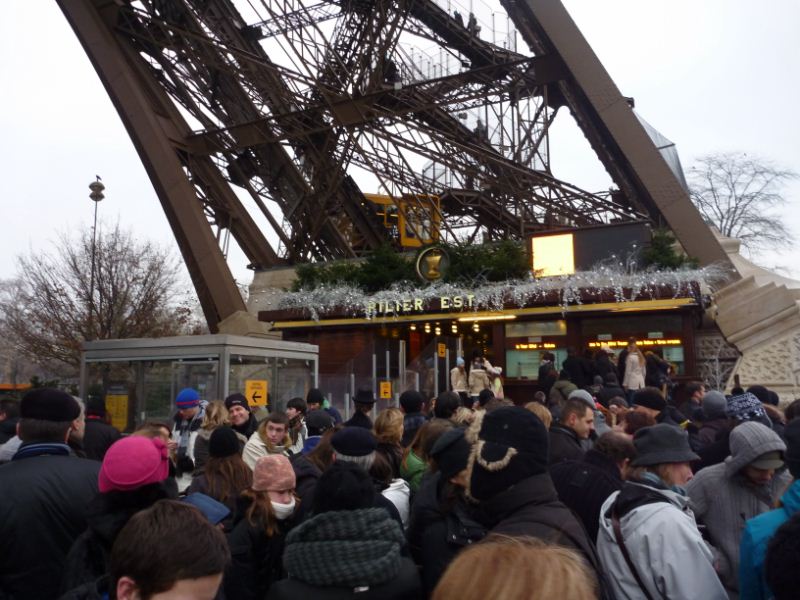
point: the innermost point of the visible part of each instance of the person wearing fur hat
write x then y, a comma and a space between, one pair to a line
349, 549
508, 478
648, 540
44, 494
747, 484
272, 437
242, 420
132, 477
759, 530
263, 518
186, 424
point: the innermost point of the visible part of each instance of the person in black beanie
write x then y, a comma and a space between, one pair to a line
348, 549
98, 435
315, 400
242, 420
441, 523
507, 474
45, 494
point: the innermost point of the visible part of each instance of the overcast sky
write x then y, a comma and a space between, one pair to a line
711, 75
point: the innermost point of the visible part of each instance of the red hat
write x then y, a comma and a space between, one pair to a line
133, 462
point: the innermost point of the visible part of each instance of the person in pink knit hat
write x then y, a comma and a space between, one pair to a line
263, 518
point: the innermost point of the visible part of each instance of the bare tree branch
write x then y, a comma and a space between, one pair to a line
51, 309
741, 196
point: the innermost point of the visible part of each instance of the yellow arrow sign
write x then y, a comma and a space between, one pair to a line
255, 390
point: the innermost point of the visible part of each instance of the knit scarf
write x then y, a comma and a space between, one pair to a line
349, 548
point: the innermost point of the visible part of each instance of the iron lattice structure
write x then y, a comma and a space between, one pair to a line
290, 111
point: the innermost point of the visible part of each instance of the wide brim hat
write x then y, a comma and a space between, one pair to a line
662, 444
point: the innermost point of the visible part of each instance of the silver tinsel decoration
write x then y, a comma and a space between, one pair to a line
623, 285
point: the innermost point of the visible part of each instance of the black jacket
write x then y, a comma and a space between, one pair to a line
359, 419
306, 474
8, 429
531, 508
564, 445
43, 509
98, 437
584, 485
579, 373
411, 424
255, 557
439, 528
605, 394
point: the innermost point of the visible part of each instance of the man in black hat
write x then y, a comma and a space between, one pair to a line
362, 403
315, 400
508, 477
242, 420
44, 498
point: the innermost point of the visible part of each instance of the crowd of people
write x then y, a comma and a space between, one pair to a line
600, 490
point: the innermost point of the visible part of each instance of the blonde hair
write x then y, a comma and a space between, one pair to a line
545, 416
216, 415
463, 416
388, 427
500, 567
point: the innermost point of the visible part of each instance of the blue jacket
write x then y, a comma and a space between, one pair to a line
753, 550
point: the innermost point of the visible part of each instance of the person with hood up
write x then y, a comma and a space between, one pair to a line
132, 478
186, 426
349, 549
272, 437
715, 420
508, 478
242, 421
263, 517
725, 495
759, 530
648, 541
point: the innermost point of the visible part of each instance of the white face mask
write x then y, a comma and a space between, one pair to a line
283, 511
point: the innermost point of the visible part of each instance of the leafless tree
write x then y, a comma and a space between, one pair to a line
51, 309
741, 196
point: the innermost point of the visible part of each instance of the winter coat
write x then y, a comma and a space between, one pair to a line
44, 495
201, 453
439, 529
359, 419
399, 494
664, 544
634, 372
758, 531
256, 448
200, 486
478, 381
560, 392
579, 372
8, 429
411, 424
185, 464
583, 486
564, 444
95, 590
306, 474
723, 499
347, 554
9, 449
710, 430
531, 508
458, 379
98, 437
255, 556
412, 469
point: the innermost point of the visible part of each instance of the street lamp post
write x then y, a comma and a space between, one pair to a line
96, 188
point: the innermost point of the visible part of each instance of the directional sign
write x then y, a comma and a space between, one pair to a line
255, 390
441, 350
386, 390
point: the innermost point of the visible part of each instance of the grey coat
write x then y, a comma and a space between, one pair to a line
723, 498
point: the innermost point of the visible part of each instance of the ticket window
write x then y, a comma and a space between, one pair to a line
526, 342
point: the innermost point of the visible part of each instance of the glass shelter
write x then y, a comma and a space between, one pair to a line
139, 378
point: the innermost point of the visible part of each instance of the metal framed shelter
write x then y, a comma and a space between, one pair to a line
143, 376
269, 121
